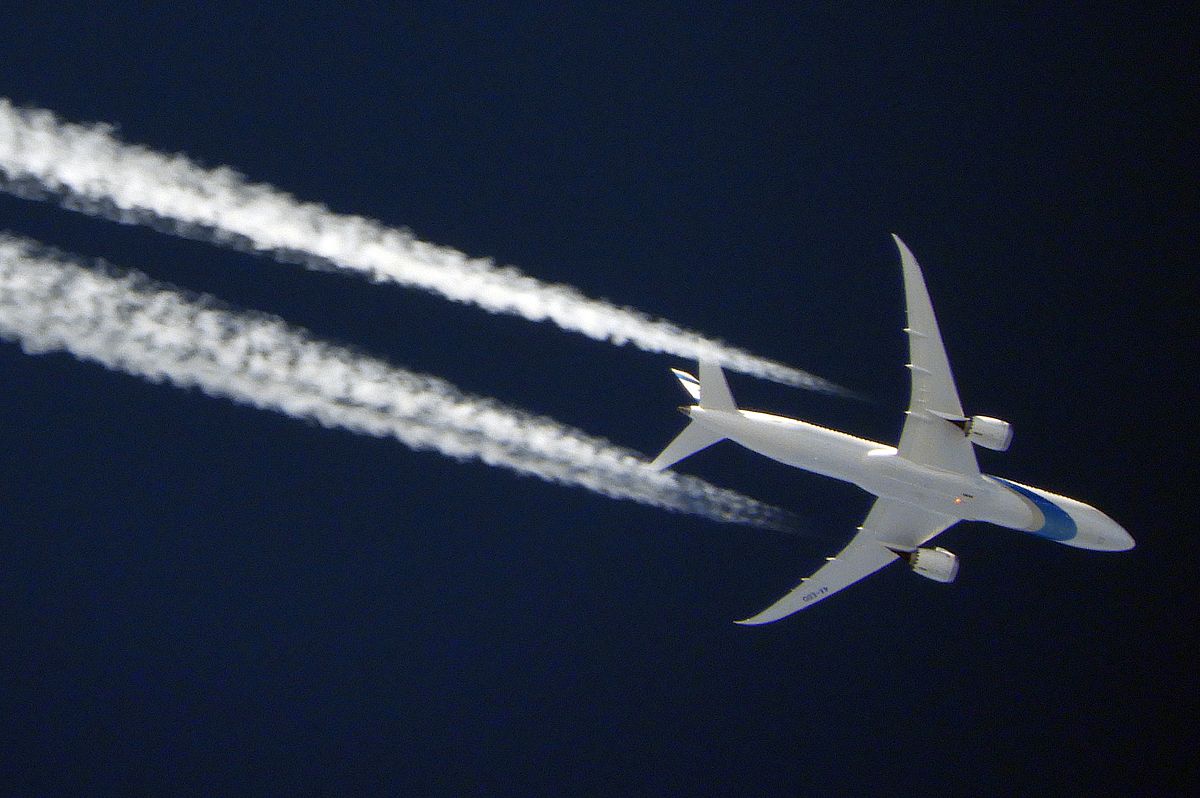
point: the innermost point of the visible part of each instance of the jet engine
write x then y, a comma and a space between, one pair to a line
990, 433
936, 564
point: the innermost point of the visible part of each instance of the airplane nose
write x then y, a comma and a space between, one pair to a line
1113, 537
1122, 540
1097, 531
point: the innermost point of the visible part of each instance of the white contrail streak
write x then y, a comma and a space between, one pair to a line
48, 303
87, 168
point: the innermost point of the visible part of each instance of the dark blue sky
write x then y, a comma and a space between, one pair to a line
201, 598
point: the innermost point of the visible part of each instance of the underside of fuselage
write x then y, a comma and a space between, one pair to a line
879, 470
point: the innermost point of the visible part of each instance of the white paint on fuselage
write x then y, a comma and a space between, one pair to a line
880, 471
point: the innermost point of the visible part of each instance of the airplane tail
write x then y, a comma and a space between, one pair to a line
711, 392
714, 391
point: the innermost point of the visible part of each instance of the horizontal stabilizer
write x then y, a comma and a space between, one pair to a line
857, 561
693, 438
689, 383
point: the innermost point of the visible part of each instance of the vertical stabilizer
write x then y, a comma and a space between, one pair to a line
714, 391
711, 392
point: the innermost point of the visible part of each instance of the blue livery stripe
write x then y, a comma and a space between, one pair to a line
1056, 523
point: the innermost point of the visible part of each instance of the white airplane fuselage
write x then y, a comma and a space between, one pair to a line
879, 470
923, 486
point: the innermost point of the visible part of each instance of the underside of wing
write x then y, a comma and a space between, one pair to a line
930, 436
890, 525
858, 560
902, 526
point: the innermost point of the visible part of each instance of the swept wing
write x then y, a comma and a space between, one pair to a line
930, 436
891, 524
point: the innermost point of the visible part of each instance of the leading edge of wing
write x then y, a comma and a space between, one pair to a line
890, 523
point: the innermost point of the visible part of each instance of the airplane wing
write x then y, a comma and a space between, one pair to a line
930, 436
890, 524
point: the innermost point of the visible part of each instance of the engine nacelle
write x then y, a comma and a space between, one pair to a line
990, 433
936, 564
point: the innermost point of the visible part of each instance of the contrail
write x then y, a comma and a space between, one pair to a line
50, 302
88, 169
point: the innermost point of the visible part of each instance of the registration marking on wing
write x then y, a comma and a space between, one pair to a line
814, 595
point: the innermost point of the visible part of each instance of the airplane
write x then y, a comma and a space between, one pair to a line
925, 485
